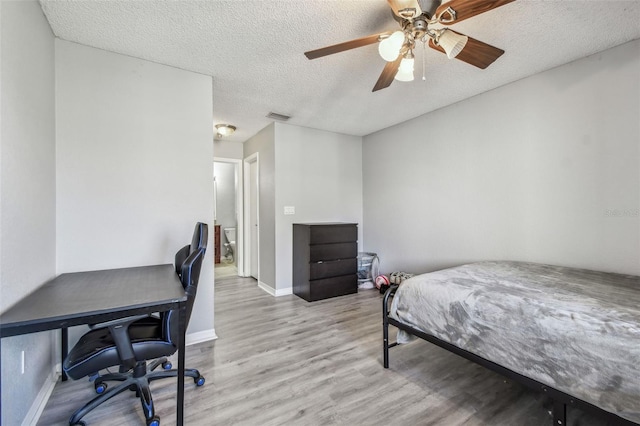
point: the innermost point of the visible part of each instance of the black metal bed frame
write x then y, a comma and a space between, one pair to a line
560, 399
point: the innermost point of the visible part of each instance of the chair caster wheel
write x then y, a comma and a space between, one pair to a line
167, 365
199, 381
154, 421
80, 423
100, 388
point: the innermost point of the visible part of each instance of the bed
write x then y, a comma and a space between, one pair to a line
572, 333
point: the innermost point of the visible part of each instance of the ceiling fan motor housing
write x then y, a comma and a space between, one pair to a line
417, 28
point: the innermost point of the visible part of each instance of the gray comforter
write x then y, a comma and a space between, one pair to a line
573, 329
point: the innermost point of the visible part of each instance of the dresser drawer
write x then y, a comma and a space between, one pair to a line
333, 234
333, 268
332, 287
336, 251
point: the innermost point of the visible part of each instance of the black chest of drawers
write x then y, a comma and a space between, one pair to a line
325, 260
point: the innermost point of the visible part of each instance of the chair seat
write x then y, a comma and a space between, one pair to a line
96, 350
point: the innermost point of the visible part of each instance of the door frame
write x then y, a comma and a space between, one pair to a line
239, 208
253, 158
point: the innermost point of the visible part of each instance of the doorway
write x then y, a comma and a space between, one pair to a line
252, 216
229, 226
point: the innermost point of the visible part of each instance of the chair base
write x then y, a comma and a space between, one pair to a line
198, 379
136, 380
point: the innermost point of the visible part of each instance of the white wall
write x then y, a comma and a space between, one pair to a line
264, 144
226, 149
27, 192
320, 174
134, 150
546, 169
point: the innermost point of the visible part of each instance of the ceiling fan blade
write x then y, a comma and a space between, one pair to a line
405, 8
475, 52
347, 45
468, 8
388, 73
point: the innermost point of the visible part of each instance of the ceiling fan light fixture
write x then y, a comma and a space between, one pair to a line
225, 129
389, 48
405, 71
452, 42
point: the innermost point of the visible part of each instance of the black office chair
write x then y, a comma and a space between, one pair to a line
128, 345
198, 241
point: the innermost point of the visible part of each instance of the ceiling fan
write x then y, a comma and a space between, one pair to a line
417, 25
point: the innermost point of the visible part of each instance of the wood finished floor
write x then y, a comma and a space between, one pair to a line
284, 361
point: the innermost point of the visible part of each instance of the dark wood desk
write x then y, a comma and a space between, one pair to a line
97, 296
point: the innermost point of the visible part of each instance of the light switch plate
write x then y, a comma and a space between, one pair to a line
289, 210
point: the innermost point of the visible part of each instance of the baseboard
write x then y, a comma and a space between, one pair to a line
266, 288
41, 400
201, 336
284, 291
275, 293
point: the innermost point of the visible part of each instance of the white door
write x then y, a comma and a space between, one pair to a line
253, 217
251, 172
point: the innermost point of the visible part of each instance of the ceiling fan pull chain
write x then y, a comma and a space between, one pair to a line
424, 60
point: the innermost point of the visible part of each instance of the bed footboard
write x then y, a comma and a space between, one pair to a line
385, 324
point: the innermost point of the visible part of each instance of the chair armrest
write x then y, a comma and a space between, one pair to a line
119, 329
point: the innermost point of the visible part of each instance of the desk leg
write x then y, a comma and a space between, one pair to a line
64, 347
181, 350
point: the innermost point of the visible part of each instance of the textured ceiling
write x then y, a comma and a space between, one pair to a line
254, 51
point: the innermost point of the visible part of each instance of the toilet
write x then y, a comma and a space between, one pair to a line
230, 245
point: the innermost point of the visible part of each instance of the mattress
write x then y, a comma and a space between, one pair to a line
575, 330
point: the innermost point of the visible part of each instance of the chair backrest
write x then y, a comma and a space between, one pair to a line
198, 241
190, 276
200, 237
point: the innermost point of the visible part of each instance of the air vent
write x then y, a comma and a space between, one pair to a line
276, 116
